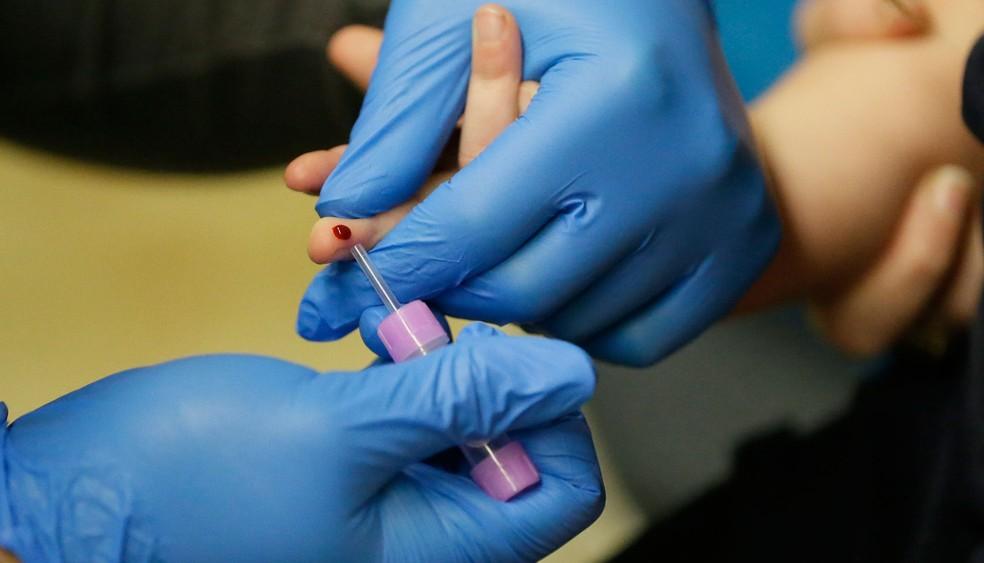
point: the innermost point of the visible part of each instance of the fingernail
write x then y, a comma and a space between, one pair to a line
490, 24
953, 185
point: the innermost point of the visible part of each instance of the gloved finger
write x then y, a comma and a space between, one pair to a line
401, 130
479, 388
369, 324
309, 171
354, 50
876, 310
470, 224
627, 287
672, 316
496, 71
570, 497
521, 290
823, 21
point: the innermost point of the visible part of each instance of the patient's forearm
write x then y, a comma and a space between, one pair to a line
7, 557
847, 135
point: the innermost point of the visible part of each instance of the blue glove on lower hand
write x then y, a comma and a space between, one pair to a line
625, 210
233, 458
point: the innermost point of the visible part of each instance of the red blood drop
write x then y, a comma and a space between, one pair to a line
341, 232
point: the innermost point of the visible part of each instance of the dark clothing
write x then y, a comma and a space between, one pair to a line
894, 479
177, 84
899, 477
973, 90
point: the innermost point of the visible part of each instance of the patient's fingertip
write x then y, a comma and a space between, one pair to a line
294, 174
339, 43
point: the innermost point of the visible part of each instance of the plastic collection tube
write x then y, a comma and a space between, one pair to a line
499, 466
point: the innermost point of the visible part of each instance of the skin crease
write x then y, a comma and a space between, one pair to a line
868, 180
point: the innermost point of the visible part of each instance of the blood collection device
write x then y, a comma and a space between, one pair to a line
499, 466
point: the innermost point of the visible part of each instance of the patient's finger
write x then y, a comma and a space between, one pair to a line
963, 295
895, 293
493, 89
309, 171
354, 51
822, 21
328, 243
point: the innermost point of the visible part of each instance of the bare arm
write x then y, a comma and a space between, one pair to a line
847, 135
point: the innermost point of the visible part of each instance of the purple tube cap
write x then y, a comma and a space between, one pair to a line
506, 473
411, 331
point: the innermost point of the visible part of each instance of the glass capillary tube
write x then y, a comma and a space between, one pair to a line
500, 466
393, 305
377, 281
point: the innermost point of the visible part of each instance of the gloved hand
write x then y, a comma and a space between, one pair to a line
624, 211
235, 458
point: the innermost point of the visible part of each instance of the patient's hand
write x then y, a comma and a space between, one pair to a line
496, 98
872, 108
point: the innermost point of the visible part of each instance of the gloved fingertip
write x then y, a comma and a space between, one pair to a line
309, 325
368, 326
479, 330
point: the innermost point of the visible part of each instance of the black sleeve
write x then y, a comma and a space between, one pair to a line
973, 91
177, 84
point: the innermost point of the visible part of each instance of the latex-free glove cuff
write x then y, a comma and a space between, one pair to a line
17, 540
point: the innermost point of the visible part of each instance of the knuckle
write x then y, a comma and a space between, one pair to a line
579, 363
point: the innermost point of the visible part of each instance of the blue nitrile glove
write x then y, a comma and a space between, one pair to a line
625, 210
233, 458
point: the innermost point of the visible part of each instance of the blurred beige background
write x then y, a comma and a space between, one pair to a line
103, 269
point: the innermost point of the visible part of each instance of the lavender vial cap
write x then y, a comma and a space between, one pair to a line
410, 331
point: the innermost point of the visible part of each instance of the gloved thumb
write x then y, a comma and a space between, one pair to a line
476, 389
16, 539
415, 98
